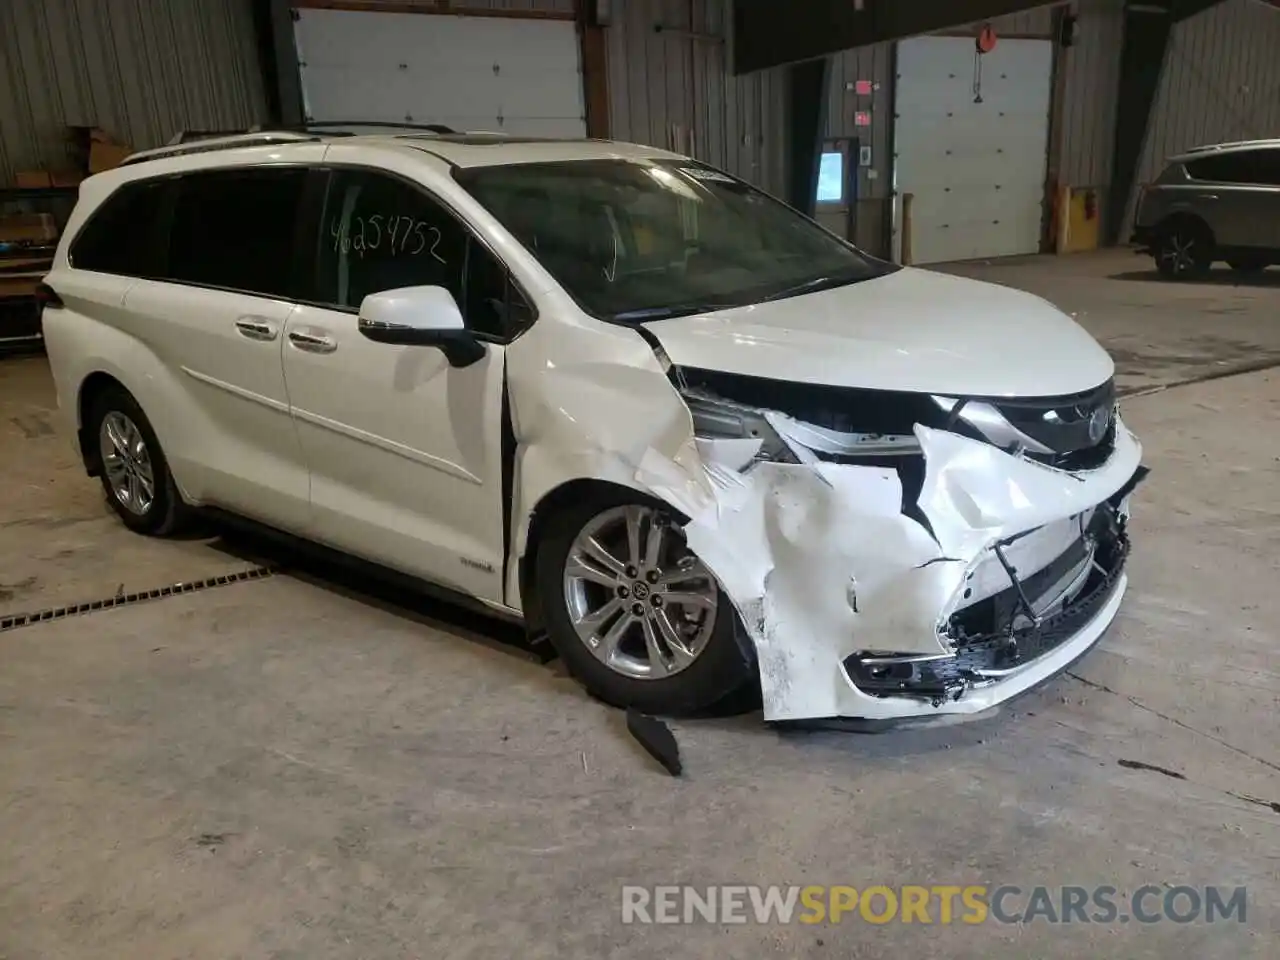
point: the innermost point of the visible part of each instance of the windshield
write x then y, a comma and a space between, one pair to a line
644, 240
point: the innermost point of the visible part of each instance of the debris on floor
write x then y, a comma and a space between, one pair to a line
657, 739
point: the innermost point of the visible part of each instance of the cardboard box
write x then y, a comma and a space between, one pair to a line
104, 152
93, 150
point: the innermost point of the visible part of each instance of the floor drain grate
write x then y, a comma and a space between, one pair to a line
124, 599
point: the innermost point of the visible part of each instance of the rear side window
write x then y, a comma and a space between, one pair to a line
1244, 167
236, 229
123, 236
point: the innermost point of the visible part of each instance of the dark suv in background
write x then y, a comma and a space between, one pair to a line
1210, 204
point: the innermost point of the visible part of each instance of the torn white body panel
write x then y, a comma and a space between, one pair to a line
822, 560
822, 563
589, 408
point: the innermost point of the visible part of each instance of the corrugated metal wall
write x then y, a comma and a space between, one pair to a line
140, 69
672, 88
549, 6
1092, 68
1221, 82
463, 6
1036, 22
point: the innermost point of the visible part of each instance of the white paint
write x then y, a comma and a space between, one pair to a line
391, 454
498, 74
976, 170
420, 308
788, 542
913, 330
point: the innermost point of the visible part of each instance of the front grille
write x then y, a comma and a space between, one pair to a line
987, 636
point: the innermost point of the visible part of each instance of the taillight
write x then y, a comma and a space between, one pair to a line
46, 296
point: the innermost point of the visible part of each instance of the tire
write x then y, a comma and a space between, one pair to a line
1184, 251
713, 660
1248, 267
133, 465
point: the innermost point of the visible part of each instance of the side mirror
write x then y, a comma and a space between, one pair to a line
420, 317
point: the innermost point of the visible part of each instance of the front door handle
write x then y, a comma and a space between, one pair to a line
312, 342
1207, 196
257, 328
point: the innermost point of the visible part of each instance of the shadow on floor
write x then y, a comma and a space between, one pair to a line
370, 585
1217, 278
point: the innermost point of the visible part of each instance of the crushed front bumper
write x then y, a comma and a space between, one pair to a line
865, 599
1018, 637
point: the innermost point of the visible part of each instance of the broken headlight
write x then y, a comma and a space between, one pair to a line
784, 439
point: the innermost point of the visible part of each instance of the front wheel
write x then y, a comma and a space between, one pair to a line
1184, 252
634, 615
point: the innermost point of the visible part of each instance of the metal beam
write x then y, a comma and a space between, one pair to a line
1148, 25
287, 79
807, 91
769, 33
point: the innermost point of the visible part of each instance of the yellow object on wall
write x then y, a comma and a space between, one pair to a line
1079, 219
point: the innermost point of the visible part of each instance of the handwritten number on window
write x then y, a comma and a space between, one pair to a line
407, 236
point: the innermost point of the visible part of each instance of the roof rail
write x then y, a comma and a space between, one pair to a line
257, 139
388, 124
1211, 147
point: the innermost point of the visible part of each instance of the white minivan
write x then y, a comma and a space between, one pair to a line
696, 439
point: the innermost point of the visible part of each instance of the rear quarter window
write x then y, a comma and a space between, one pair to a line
123, 236
1243, 167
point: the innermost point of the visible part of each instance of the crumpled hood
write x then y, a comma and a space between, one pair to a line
913, 330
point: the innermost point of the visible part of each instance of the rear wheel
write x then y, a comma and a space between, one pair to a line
1184, 251
635, 616
135, 474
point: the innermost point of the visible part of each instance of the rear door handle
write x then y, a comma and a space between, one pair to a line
257, 328
1207, 196
312, 342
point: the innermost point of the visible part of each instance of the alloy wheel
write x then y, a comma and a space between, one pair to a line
127, 463
638, 599
1180, 252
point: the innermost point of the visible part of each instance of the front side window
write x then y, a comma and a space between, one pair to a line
236, 229
123, 236
380, 233
633, 241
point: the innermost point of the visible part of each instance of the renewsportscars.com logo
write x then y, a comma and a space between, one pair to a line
936, 904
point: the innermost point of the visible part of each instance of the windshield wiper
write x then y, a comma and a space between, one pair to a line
813, 286
667, 313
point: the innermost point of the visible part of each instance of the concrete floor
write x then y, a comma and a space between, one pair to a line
287, 768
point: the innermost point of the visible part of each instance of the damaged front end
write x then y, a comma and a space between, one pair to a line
995, 637
896, 555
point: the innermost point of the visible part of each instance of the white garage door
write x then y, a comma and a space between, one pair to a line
494, 74
976, 170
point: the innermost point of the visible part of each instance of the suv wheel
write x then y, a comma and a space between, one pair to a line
135, 474
634, 615
1184, 252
